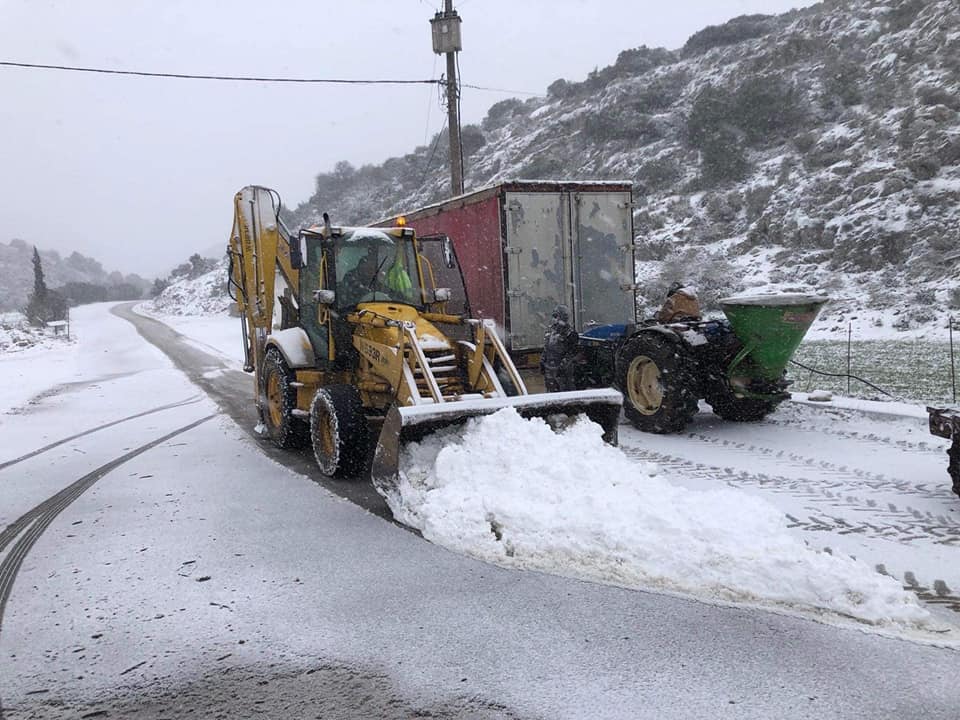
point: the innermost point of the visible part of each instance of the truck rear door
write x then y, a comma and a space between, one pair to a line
602, 258
570, 247
538, 263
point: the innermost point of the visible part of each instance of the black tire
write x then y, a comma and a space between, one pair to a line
954, 466
338, 430
279, 400
728, 406
656, 376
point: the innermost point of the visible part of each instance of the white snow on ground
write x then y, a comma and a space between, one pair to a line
218, 334
601, 523
513, 492
889, 408
43, 363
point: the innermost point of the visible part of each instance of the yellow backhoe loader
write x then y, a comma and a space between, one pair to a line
345, 328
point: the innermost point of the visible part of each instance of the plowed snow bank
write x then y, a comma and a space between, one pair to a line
513, 492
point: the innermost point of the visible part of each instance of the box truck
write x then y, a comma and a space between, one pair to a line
527, 246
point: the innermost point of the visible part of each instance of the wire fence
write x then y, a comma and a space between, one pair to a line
916, 371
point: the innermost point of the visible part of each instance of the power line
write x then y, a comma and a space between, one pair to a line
229, 78
246, 78
502, 90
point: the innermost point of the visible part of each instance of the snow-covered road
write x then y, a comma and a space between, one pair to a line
867, 485
196, 574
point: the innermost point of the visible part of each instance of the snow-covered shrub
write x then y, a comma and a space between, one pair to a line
16, 333
902, 323
744, 27
500, 113
766, 107
953, 298
663, 171
841, 77
661, 92
925, 296
205, 295
922, 316
723, 157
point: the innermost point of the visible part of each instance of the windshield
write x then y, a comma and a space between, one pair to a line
373, 266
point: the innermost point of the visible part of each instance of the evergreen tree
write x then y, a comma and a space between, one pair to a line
159, 285
38, 311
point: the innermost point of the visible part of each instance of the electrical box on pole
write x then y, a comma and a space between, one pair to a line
447, 41
446, 32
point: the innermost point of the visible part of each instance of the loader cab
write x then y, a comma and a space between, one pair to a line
345, 267
371, 265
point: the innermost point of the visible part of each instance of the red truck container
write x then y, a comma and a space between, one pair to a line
526, 246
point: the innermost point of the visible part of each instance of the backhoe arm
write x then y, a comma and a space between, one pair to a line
259, 251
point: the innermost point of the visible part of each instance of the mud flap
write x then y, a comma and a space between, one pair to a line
410, 424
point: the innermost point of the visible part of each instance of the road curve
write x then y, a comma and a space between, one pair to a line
232, 391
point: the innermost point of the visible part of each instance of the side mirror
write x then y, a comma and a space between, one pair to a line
439, 295
448, 256
325, 297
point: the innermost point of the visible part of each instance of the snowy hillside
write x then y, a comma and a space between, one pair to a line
816, 150
205, 295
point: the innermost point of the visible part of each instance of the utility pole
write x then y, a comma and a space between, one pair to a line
446, 41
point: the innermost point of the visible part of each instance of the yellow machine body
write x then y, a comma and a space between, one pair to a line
404, 353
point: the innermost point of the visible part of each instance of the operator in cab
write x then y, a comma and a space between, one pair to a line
368, 281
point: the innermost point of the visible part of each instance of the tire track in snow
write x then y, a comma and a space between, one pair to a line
855, 478
874, 439
904, 525
906, 530
67, 387
33, 523
45, 448
940, 594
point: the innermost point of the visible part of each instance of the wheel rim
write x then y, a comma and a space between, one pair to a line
643, 385
325, 438
274, 401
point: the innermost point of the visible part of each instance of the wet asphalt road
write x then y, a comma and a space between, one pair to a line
233, 391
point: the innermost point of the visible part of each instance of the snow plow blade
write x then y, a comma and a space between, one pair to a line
410, 424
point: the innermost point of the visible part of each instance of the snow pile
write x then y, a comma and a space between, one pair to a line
513, 492
204, 295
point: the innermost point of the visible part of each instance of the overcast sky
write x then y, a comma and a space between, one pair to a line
140, 173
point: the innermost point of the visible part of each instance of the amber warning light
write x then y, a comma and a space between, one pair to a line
401, 221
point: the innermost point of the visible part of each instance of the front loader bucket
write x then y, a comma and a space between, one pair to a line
409, 424
770, 328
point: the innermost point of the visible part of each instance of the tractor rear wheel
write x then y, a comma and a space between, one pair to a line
658, 381
728, 406
338, 429
279, 400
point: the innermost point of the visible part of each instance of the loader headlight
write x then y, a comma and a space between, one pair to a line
441, 294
